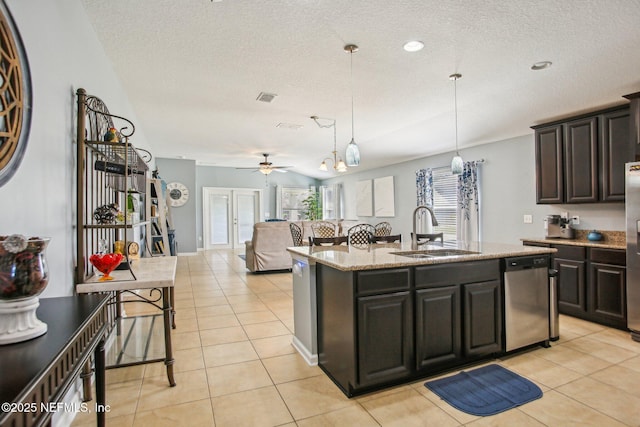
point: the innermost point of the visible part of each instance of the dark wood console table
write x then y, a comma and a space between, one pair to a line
35, 375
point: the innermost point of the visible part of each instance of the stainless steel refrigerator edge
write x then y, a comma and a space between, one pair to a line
632, 208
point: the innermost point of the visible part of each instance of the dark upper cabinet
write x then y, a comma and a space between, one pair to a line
615, 140
581, 160
634, 125
549, 165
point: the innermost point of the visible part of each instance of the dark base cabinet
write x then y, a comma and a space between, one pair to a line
438, 327
607, 287
592, 283
571, 289
382, 327
385, 338
483, 318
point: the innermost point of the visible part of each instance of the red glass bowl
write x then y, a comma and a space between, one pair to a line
105, 264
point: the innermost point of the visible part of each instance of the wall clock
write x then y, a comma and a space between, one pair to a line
15, 92
133, 250
178, 194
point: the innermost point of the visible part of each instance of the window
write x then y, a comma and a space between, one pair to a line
445, 201
330, 197
289, 204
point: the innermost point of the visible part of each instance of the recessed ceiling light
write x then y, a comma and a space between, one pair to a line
541, 65
413, 46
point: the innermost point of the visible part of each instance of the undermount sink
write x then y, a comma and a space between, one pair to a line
433, 253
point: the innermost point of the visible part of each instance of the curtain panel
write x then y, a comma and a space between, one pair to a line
424, 187
468, 215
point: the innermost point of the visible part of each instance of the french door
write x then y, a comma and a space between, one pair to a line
228, 216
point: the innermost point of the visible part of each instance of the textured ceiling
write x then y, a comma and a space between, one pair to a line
193, 69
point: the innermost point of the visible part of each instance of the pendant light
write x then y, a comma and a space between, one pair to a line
338, 164
353, 153
456, 163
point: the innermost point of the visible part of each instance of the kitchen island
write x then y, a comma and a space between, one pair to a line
387, 314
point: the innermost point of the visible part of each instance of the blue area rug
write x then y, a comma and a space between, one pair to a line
485, 391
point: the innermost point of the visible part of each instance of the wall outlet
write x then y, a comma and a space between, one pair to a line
528, 219
575, 220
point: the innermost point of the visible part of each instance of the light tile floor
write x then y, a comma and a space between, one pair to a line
235, 366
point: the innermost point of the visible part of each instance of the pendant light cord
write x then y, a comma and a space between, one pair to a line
334, 142
455, 103
352, 132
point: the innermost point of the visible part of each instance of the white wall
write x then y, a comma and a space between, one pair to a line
64, 54
508, 192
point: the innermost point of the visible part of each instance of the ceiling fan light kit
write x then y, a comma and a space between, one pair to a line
266, 167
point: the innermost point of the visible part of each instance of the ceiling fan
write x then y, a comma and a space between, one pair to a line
267, 167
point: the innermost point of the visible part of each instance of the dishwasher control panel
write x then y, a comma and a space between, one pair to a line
525, 262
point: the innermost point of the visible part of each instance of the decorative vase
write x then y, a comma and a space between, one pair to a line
594, 236
24, 274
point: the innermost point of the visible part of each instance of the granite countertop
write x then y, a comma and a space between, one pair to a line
611, 240
377, 256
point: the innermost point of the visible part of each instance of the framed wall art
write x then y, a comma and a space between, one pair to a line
383, 196
364, 201
15, 93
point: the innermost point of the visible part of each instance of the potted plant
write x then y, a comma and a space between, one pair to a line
313, 208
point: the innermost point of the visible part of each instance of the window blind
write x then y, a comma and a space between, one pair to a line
445, 196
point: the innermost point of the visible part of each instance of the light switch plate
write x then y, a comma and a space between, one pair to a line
528, 219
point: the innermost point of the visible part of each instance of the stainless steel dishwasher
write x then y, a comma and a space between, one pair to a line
526, 301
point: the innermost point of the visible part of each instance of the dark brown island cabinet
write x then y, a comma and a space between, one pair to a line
581, 159
382, 327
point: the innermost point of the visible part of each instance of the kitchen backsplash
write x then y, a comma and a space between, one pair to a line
614, 237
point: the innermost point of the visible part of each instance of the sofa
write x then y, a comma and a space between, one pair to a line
267, 249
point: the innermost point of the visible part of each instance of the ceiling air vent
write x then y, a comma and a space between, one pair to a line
266, 97
291, 126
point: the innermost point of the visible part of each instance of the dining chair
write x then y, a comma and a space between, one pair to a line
323, 229
360, 234
296, 234
328, 241
424, 238
382, 229
392, 238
